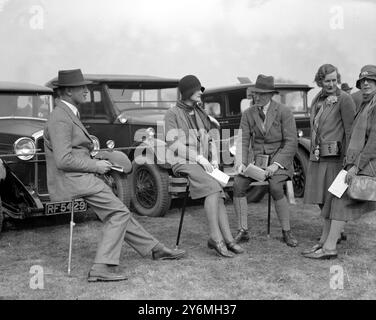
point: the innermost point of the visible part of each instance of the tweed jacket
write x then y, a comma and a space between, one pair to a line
335, 123
70, 168
279, 140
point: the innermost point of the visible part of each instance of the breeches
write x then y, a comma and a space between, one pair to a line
276, 183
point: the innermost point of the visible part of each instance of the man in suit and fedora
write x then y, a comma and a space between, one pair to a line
72, 173
267, 132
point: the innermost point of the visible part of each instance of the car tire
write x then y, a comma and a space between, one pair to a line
256, 193
119, 184
149, 190
300, 173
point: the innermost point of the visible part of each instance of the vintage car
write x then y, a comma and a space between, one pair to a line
227, 103
24, 110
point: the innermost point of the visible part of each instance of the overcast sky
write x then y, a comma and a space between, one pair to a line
217, 40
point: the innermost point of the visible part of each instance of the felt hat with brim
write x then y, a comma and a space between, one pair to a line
367, 72
264, 84
70, 78
345, 87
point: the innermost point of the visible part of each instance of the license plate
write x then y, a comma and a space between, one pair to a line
65, 207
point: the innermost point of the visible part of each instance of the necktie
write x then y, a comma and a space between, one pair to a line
78, 115
261, 113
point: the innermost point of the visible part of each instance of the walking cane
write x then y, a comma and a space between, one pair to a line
72, 224
182, 215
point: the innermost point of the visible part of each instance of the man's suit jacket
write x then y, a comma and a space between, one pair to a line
279, 140
70, 169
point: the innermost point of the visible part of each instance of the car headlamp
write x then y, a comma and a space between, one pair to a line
150, 133
24, 148
110, 144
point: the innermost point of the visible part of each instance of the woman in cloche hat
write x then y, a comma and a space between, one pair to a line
192, 153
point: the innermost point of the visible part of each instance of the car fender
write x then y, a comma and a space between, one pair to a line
152, 151
117, 158
16, 192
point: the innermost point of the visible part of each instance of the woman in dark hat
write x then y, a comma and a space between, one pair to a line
191, 135
332, 114
359, 160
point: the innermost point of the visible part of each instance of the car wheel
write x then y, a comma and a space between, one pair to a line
119, 184
300, 171
149, 190
256, 193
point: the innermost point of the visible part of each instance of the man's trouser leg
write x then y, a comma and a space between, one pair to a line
119, 225
240, 200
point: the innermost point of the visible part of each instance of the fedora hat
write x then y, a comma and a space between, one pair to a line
70, 78
264, 84
345, 86
367, 72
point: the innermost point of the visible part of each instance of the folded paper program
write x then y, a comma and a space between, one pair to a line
255, 172
220, 176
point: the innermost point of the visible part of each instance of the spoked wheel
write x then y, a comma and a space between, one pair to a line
118, 182
150, 194
300, 171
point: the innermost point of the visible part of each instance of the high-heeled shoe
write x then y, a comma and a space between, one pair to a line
234, 247
220, 248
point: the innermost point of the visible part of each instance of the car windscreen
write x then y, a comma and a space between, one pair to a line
128, 98
25, 105
293, 99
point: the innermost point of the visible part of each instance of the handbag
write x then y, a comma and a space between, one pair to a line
363, 187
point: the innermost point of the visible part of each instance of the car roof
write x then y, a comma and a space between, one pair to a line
118, 78
278, 86
7, 86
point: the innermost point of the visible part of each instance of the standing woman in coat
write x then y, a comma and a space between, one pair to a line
332, 115
192, 152
360, 160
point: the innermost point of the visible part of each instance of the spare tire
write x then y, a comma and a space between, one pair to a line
149, 190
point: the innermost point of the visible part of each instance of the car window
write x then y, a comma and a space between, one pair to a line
93, 109
22, 105
213, 104
136, 98
292, 99
234, 102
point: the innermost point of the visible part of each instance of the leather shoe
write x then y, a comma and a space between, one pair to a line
165, 253
220, 248
313, 249
234, 247
289, 239
322, 254
105, 274
242, 236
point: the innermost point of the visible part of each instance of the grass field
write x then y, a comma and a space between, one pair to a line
268, 270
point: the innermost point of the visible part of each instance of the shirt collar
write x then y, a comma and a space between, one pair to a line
72, 107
